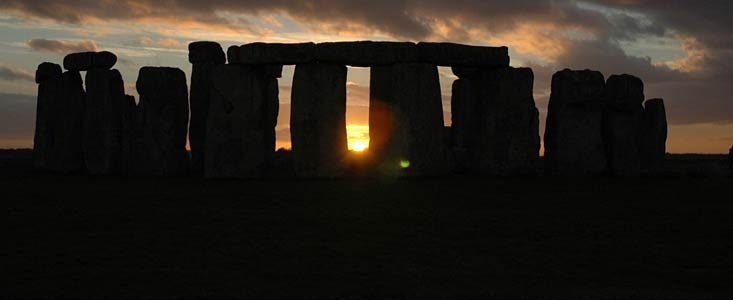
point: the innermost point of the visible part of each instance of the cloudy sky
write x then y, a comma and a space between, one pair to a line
683, 50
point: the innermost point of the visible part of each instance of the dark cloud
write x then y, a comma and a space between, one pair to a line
11, 73
63, 47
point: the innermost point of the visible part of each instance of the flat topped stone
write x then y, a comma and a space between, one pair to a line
366, 53
624, 92
276, 54
205, 51
90, 60
577, 86
150, 80
450, 54
369, 53
47, 71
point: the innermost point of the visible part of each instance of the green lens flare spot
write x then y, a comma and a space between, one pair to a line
404, 164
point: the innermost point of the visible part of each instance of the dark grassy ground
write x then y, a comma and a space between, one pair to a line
538, 238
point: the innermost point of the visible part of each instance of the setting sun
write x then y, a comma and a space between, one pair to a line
359, 146
357, 137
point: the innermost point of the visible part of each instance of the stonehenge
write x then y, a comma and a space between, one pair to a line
573, 131
318, 119
622, 128
495, 121
204, 57
164, 118
654, 135
48, 78
594, 126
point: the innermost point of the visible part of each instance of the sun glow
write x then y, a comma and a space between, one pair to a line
357, 137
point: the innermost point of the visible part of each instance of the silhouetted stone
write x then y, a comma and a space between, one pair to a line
271, 53
48, 77
465, 71
449, 54
495, 122
204, 56
103, 115
622, 124
654, 135
318, 120
204, 52
47, 71
129, 161
90, 60
240, 127
406, 119
68, 125
573, 134
164, 107
366, 53
730, 158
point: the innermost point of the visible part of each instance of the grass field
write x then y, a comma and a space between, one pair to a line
507, 238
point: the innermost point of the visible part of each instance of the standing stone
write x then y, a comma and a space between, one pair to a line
622, 124
164, 107
318, 120
654, 135
730, 158
48, 78
204, 56
103, 116
496, 122
68, 125
407, 126
129, 119
573, 133
240, 127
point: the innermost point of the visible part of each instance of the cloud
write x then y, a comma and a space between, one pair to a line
162, 43
62, 47
12, 73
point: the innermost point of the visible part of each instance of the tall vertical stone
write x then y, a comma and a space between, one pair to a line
68, 124
204, 57
49, 80
654, 142
239, 128
622, 124
129, 140
164, 108
103, 116
573, 131
407, 128
318, 120
495, 121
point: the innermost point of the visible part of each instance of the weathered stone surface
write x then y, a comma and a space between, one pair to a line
449, 54
164, 107
573, 131
48, 77
406, 119
47, 71
622, 124
103, 115
240, 125
654, 130
205, 56
496, 122
204, 52
272, 53
318, 120
366, 53
67, 128
90, 60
